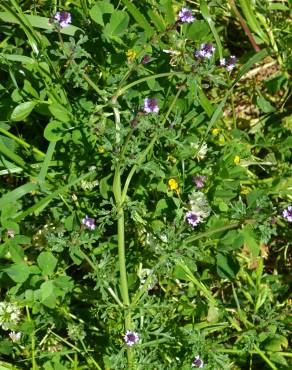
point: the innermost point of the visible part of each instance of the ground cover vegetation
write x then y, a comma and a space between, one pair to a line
145, 184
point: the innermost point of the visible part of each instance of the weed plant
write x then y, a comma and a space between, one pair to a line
145, 163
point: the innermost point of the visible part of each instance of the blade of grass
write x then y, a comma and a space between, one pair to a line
46, 162
40, 205
16, 194
247, 9
10, 154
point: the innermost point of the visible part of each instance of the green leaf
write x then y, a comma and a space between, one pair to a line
98, 10
22, 111
118, 23
47, 291
197, 30
104, 187
59, 112
227, 266
47, 263
250, 240
265, 105
55, 130
18, 272
139, 18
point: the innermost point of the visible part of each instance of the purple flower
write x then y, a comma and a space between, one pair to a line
131, 338
63, 18
146, 59
192, 218
89, 222
199, 181
287, 213
206, 51
186, 16
150, 106
197, 362
228, 63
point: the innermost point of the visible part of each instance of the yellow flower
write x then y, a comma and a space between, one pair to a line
100, 149
131, 55
245, 190
173, 185
236, 159
215, 131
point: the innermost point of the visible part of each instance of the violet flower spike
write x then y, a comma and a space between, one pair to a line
287, 213
89, 223
150, 106
197, 362
131, 338
206, 51
192, 218
230, 64
64, 19
185, 15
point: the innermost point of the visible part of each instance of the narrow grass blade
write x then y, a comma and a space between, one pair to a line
252, 21
207, 16
16, 194
40, 205
10, 154
39, 22
46, 162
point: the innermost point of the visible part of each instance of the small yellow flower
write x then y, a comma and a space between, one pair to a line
100, 149
173, 184
245, 190
131, 55
215, 131
236, 159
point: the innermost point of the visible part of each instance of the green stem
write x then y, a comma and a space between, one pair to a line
21, 142
211, 232
265, 358
33, 361
147, 78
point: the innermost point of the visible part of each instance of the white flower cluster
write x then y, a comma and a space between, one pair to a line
9, 315
200, 208
201, 150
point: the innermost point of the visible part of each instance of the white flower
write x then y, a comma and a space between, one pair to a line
9, 315
201, 149
15, 337
199, 204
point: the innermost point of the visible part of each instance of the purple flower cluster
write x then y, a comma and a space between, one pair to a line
199, 181
197, 362
186, 16
89, 223
63, 18
131, 338
193, 219
228, 63
206, 51
287, 213
150, 106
